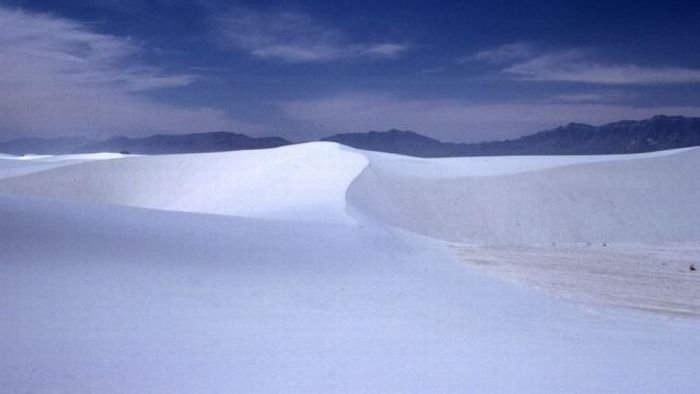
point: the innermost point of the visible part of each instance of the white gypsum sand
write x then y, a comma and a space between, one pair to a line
319, 268
656, 278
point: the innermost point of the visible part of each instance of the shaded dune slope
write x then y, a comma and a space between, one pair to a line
652, 198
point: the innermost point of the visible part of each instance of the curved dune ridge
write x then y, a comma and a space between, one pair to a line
300, 182
523, 200
483, 166
495, 200
329, 294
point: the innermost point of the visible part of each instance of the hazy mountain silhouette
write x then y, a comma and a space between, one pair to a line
44, 146
657, 133
184, 143
156, 144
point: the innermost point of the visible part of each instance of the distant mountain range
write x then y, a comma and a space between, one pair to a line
658, 133
154, 145
184, 143
44, 146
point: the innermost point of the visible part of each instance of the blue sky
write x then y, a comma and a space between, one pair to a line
459, 71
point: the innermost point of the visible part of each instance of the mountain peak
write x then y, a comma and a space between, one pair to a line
391, 141
575, 125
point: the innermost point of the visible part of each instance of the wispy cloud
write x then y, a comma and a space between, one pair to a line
456, 120
296, 38
502, 54
608, 96
523, 62
60, 76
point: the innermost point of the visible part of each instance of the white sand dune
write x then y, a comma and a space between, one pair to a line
458, 167
22, 165
302, 182
315, 275
545, 220
76, 156
643, 198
